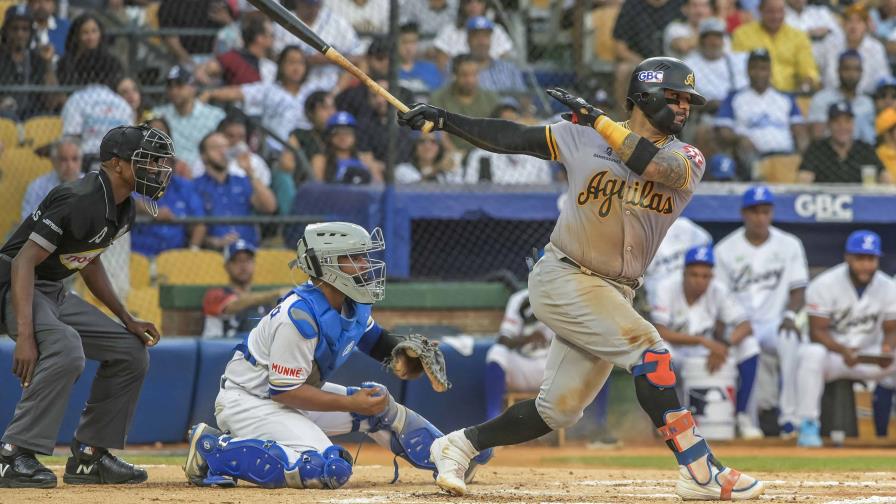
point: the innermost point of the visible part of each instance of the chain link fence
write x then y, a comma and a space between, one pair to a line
267, 129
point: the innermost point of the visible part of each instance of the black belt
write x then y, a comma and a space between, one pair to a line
633, 284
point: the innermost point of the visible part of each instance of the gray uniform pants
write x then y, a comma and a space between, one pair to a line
67, 330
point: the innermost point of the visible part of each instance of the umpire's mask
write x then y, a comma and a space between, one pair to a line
151, 153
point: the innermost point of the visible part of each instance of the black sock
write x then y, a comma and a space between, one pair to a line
519, 423
656, 402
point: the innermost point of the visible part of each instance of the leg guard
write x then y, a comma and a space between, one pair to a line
656, 366
330, 469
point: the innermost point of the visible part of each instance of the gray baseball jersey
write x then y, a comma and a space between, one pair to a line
613, 220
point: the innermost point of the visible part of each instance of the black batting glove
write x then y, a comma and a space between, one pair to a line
582, 112
419, 113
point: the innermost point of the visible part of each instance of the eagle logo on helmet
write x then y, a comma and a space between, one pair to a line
689, 80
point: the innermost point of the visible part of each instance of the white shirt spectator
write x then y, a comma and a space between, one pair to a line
452, 41
763, 118
813, 17
875, 64
279, 110
862, 108
716, 79
372, 18
668, 262
260, 168
333, 28
506, 168
91, 112
429, 21
682, 29
188, 131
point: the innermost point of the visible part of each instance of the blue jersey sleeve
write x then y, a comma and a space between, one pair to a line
370, 337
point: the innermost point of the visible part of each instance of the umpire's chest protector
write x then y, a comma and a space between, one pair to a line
337, 335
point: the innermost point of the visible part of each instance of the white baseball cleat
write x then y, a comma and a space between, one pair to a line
451, 454
725, 484
195, 466
746, 429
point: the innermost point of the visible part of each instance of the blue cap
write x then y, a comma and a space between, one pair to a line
179, 75
838, 109
757, 195
341, 118
699, 255
863, 242
238, 246
885, 82
480, 23
722, 167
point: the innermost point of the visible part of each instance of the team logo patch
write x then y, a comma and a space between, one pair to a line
650, 76
689, 80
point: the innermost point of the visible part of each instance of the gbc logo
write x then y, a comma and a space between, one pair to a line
824, 207
650, 76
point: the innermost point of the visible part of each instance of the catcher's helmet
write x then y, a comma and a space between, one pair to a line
647, 85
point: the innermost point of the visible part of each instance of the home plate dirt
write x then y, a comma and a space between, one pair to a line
520, 474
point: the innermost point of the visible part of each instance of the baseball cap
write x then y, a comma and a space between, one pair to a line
712, 25
722, 167
701, 254
238, 246
883, 83
121, 142
863, 242
480, 23
341, 118
179, 75
839, 109
885, 121
18, 12
757, 195
760, 53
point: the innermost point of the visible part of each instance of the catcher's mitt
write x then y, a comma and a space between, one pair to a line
415, 354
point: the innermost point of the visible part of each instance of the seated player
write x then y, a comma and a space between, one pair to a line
693, 313
276, 404
852, 325
517, 360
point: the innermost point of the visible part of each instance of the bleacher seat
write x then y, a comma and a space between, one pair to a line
42, 130
603, 19
143, 303
9, 132
18, 167
190, 267
5, 4
779, 169
139, 265
272, 268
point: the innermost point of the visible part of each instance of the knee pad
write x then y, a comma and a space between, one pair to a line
656, 366
330, 469
263, 463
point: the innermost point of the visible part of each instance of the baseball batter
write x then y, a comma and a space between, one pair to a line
852, 319
628, 182
699, 318
668, 262
766, 269
275, 401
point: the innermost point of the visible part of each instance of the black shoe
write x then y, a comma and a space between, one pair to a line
20, 469
96, 466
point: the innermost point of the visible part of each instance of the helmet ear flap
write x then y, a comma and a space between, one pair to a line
311, 261
651, 102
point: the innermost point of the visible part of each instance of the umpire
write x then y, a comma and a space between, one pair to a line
55, 331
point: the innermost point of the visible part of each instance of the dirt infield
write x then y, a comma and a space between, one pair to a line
516, 475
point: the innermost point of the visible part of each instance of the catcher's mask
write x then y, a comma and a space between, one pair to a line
151, 153
342, 254
647, 91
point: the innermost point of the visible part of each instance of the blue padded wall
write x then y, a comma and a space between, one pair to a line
214, 354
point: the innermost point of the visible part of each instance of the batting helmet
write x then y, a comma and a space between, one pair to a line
647, 85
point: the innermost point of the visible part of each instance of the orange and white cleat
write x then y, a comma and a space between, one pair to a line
724, 484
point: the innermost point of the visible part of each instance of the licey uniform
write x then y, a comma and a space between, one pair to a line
609, 229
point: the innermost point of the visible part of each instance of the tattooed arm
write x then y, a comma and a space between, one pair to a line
666, 167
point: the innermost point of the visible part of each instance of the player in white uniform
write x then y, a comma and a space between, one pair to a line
699, 317
852, 324
668, 262
275, 402
628, 182
766, 269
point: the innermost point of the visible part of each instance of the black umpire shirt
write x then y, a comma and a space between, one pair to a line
75, 223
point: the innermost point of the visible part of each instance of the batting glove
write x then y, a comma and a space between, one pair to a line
582, 112
419, 113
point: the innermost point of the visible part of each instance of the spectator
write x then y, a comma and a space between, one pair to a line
225, 194
850, 70
463, 95
373, 131
180, 200
86, 34
235, 310
886, 149
20, 65
341, 163
874, 57
367, 17
378, 56
66, 158
851, 318
452, 38
839, 158
681, 36
419, 76
793, 67
668, 262
430, 16
128, 89
431, 161
90, 112
485, 166
319, 107
330, 26
819, 23
496, 75
883, 19
247, 64
702, 321
190, 50
733, 13
48, 29
638, 34
884, 94
190, 119
239, 154
759, 120
229, 35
